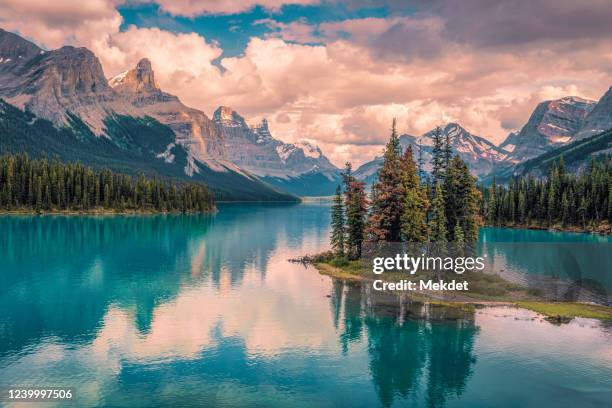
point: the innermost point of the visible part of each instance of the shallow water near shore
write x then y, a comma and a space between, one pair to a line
207, 311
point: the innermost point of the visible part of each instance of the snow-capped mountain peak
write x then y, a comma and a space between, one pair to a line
480, 154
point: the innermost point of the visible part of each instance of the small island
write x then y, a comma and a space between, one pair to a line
43, 186
408, 207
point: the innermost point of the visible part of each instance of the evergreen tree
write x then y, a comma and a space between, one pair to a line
414, 211
459, 242
421, 161
437, 160
356, 211
492, 203
385, 218
447, 151
338, 224
437, 221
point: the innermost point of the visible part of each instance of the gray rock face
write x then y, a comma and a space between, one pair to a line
56, 84
14, 47
52, 83
14, 52
253, 148
193, 129
599, 118
552, 124
509, 144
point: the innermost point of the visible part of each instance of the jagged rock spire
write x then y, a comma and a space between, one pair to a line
139, 79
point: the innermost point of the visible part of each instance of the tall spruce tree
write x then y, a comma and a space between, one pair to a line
459, 241
470, 197
338, 224
437, 220
356, 211
447, 150
420, 161
414, 211
437, 160
385, 217
492, 203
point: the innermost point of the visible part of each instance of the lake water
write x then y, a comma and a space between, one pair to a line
206, 311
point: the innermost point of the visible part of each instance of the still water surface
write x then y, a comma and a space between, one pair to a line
206, 311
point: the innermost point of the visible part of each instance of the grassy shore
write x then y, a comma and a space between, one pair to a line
569, 310
485, 289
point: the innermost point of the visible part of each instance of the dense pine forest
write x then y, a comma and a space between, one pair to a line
406, 206
45, 185
582, 200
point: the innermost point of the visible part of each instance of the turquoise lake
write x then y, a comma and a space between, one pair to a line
207, 311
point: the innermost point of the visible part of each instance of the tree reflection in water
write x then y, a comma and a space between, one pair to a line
417, 351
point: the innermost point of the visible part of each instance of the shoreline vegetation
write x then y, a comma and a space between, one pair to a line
43, 186
487, 290
100, 211
441, 213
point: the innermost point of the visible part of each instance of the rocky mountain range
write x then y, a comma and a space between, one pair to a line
129, 123
300, 168
480, 154
552, 127
69, 83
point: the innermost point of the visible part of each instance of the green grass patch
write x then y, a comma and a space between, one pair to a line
569, 310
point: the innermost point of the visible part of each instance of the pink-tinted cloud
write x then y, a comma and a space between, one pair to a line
296, 31
56, 23
192, 8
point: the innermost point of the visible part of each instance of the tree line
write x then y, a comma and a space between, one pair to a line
583, 199
49, 185
404, 204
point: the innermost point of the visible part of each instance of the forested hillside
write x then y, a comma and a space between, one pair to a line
45, 185
564, 199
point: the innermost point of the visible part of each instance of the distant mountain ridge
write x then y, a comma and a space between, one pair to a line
575, 128
552, 124
67, 86
480, 154
300, 168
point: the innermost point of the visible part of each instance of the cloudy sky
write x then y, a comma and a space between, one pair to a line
336, 72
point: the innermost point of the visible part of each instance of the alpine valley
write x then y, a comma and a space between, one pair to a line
60, 103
